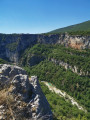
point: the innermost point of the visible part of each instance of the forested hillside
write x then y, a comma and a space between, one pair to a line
79, 60
77, 29
47, 62
61, 108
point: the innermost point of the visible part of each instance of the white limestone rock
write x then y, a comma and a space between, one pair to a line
39, 101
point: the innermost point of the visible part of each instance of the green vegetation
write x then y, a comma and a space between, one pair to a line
82, 33
78, 29
75, 85
62, 110
2, 61
73, 57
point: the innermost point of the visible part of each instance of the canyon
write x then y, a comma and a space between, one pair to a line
13, 45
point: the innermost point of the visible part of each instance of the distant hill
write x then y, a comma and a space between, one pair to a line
85, 26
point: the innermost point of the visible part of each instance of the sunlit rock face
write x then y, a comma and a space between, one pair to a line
21, 98
79, 42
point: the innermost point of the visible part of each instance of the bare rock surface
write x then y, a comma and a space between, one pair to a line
42, 110
21, 98
74, 69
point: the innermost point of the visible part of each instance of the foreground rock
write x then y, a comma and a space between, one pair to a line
21, 98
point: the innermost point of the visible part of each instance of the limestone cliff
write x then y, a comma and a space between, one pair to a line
74, 68
13, 45
21, 98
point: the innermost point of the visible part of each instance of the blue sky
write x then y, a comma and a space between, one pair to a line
39, 16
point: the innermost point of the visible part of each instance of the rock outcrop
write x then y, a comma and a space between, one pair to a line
21, 98
12, 45
74, 68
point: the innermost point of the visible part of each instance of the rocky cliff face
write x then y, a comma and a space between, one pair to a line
11, 46
74, 68
21, 98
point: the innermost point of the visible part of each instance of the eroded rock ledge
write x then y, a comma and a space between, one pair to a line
21, 98
74, 68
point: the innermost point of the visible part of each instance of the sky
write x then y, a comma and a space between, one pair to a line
40, 16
